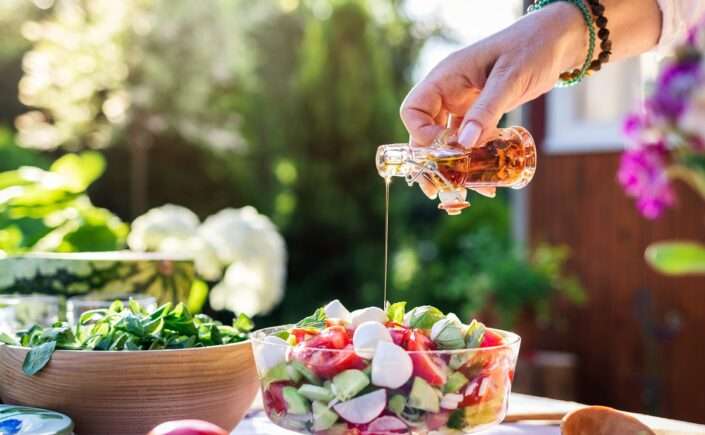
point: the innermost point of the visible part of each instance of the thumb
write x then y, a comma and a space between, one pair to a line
494, 100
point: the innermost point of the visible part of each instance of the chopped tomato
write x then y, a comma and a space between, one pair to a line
425, 365
334, 322
491, 339
328, 363
302, 334
333, 337
473, 392
273, 398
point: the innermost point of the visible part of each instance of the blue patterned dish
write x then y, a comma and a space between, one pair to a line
17, 420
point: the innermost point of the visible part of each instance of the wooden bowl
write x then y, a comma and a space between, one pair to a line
130, 392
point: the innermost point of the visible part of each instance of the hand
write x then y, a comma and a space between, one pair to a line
480, 83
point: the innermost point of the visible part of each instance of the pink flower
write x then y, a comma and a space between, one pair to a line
642, 174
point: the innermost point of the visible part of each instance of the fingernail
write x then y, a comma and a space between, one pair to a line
470, 134
489, 192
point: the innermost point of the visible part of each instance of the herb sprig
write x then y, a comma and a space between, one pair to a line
130, 327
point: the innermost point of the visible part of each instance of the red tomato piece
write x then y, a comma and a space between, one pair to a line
303, 334
328, 363
472, 392
425, 365
333, 337
273, 398
491, 339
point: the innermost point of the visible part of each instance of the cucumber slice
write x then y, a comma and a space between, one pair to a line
295, 402
423, 396
294, 375
314, 392
277, 373
396, 404
323, 418
306, 373
455, 382
348, 383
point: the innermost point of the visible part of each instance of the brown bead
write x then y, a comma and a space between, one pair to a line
603, 34
604, 57
606, 45
597, 8
565, 76
595, 65
601, 21
576, 72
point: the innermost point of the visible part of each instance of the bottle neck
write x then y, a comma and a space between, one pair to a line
394, 160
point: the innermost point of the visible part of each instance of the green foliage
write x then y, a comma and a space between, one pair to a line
677, 258
13, 156
328, 92
129, 327
48, 210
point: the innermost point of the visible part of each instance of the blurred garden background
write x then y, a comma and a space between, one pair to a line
280, 105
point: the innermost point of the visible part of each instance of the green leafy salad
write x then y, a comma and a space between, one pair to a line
130, 327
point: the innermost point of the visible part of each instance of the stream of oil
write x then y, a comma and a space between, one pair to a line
387, 182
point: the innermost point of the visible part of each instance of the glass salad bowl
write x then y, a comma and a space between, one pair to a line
373, 372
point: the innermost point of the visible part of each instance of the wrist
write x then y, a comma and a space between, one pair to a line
568, 28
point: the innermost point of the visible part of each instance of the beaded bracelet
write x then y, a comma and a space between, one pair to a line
598, 12
574, 77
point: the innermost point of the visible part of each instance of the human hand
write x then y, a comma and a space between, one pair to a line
477, 85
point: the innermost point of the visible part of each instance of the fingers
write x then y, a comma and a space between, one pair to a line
427, 187
489, 192
496, 98
421, 110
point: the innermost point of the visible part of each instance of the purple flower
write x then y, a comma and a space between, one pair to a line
642, 175
674, 85
633, 126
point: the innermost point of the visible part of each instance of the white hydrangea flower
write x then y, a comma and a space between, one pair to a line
256, 254
207, 264
169, 221
241, 240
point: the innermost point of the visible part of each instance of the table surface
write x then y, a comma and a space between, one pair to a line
257, 423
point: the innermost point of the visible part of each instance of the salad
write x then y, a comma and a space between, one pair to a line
374, 371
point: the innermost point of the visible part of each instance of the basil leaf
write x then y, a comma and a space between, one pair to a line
161, 311
315, 320
116, 306
131, 324
396, 312
423, 317
474, 334
134, 306
244, 323
154, 326
38, 357
90, 315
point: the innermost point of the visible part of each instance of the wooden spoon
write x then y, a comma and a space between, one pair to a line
601, 420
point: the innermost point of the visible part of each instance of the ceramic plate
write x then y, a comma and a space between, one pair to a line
15, 420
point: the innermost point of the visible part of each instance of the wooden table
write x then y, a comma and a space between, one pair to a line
256, 422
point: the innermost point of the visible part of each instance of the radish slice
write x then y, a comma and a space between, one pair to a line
391, 366
370, 314
271, 353
336, 310
387, 424
366, 337
363, 409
